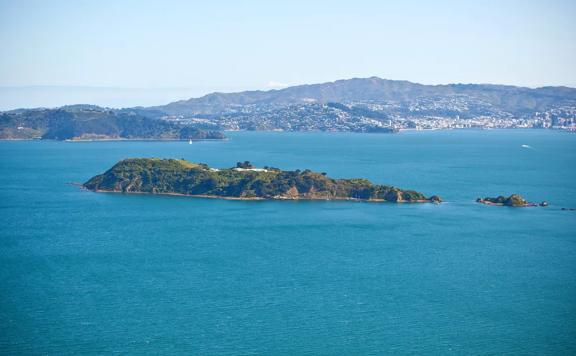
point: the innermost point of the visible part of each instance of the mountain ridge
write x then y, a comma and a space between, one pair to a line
368, 89
363, 105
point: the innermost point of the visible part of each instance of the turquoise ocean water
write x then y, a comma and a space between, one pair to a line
87, 273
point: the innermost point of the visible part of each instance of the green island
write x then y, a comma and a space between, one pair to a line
514, 200
243, 182
93, 123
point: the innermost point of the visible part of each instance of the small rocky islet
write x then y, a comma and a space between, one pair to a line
514, 200
243, 182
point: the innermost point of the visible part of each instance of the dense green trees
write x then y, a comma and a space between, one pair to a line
245, 165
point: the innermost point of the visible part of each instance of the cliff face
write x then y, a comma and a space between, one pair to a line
171, 176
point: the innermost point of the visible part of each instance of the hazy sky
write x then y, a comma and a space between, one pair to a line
194, 47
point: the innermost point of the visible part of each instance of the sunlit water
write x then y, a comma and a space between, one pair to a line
82, 272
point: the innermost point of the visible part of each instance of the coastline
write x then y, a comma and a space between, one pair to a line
278, 131
204, 196
529, 205
116, 139
146, 139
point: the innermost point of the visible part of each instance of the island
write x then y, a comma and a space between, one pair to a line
93, 123
242, 182
514, 200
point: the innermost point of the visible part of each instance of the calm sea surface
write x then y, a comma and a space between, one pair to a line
82, 272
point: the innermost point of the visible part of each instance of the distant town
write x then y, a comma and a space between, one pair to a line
364, 105
380, 105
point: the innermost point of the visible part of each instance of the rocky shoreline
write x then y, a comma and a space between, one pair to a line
286, 198
514, 201
243, 182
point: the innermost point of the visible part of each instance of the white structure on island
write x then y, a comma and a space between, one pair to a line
250, 169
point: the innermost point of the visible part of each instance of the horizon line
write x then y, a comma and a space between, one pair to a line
289, 85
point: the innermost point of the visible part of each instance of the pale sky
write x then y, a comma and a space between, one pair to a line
159, 51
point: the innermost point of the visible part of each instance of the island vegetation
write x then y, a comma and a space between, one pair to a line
513, 200
88, 122
180, 177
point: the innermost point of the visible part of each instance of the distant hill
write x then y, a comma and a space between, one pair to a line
355, 105
77, 122
512, 99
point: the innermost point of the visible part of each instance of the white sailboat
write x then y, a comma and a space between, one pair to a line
190, 142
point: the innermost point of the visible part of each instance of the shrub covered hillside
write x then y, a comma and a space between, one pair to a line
164, 176
89, 122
